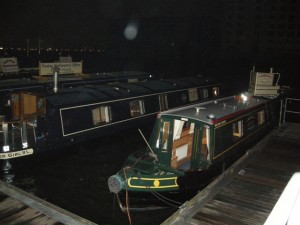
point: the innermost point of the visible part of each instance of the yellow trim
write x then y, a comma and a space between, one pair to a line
242, 139
154, 180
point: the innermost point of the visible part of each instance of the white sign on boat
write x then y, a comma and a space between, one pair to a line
9, 65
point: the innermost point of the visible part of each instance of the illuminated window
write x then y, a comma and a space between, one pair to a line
163, 102
193, 94
137, 108
165, 136
261, 117
163, 140
237, 130
215, 91
205, 149
101, 114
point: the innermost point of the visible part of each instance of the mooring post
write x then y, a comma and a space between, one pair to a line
55, 70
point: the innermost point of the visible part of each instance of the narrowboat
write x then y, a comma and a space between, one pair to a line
40, 120
189, 146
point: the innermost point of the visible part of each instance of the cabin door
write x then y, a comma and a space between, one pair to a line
183, 136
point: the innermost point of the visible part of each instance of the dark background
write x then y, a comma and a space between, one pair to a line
223, 39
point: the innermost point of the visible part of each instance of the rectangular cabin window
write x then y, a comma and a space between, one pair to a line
237, 130
193, 94
223, 139
261, 117
163, 102
137, 108
165, 136
204, 93
251, 123
216, 92
205, 151
29, 103
101, 114
41, 105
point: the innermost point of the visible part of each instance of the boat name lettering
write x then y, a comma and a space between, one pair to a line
220, 123
8, 155
50, 65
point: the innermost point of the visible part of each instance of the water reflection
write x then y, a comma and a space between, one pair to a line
6, 172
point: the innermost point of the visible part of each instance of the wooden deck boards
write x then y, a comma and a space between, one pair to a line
19, 207
247, 192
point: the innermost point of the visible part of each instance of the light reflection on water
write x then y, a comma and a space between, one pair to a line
75, 179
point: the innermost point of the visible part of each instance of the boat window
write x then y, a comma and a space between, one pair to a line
193, 94
178, 125
183, 98
165, 135
251, 122
261, 117
137, 108
205, 150
204, 93
101, 114
215, 91
163, 102
41, 105
223, 139
237, 130
182, 144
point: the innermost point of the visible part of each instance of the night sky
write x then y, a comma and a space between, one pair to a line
98, 23
165, 36
164, 33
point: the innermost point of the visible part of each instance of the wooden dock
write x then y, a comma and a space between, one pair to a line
247, 192
20, 207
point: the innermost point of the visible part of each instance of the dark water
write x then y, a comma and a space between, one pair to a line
75, 178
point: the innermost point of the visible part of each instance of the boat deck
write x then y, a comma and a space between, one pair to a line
19, 207
247, 192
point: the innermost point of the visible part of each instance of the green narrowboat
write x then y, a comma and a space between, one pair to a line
190, 145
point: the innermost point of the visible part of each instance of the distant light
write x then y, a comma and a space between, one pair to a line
1, 48
131, 30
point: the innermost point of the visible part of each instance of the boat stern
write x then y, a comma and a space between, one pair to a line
142, 183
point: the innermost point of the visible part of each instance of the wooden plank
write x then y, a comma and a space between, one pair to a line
26, 207
267, 193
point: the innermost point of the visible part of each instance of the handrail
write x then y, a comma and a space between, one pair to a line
290, 111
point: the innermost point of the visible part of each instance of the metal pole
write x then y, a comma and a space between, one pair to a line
5, 137
284, 110
55, 78
280, 113
24, 135
27, 46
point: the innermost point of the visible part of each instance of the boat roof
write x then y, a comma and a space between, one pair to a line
101, 92
212, 112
